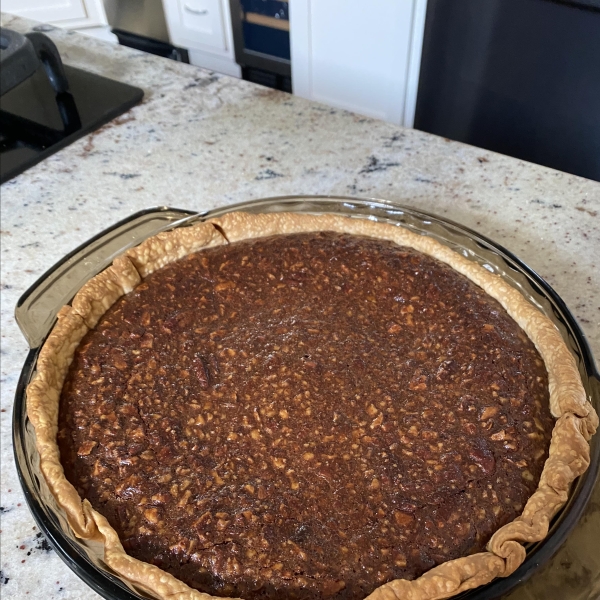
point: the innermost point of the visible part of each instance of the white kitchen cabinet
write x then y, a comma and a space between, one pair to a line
361, 56
196, 23
203, 27
72, 14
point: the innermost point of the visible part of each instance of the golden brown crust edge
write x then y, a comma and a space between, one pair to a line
569, 450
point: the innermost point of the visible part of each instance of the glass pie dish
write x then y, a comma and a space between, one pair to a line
37, 309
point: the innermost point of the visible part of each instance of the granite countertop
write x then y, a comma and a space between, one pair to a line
200, 140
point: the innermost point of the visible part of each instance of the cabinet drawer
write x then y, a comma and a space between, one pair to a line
196, 23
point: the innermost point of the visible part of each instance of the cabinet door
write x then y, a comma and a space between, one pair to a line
361, 56
48, 11
196, 23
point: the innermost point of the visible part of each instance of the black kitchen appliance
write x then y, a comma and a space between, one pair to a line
520, 77
261, 38
45, 105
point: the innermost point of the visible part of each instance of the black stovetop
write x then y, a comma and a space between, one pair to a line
35, 122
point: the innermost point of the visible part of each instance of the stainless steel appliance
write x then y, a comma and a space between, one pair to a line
141, 24
141, 17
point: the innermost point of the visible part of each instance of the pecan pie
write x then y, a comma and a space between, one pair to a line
300, 406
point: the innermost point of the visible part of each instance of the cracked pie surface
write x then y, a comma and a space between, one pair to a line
300, 406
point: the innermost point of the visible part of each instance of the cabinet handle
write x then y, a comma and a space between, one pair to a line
196, 11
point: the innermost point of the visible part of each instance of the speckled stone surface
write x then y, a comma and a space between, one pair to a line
201, 140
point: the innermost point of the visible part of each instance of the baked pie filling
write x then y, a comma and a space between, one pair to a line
305, 416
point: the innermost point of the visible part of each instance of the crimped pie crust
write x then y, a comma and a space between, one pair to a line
568, 453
